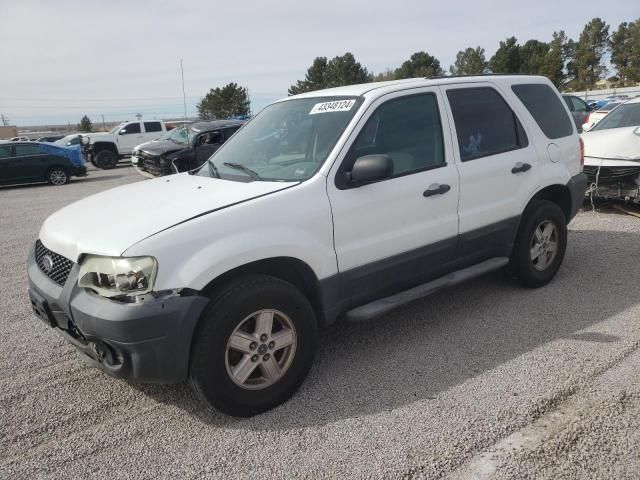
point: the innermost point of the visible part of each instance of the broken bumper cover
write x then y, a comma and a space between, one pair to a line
613, 178
577, 187
146, 342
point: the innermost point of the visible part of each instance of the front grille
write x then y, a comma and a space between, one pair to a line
54, 266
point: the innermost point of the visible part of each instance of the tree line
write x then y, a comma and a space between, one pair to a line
569, 64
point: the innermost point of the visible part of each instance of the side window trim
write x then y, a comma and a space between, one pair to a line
522, 138
371, 111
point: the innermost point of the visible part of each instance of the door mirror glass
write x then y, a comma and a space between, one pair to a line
371, 168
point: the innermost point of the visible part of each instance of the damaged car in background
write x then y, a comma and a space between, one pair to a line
183, 148
612, 154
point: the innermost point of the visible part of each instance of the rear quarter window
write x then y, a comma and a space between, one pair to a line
546, 109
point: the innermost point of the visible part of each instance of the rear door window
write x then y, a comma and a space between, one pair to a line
546, 109
24, 150
5, 152
579, 105
485, 124
150, 127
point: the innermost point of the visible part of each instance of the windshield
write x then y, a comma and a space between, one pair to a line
627, 115
287, 141
116, 128
182, 135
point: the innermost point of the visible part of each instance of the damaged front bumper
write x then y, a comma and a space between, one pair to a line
146, 341
614, 179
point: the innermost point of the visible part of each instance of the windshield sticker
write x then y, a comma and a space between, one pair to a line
335, 106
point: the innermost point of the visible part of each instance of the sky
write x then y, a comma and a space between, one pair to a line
62, 59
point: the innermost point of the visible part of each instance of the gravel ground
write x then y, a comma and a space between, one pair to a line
423, 392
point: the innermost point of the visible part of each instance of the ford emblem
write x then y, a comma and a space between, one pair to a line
47, 264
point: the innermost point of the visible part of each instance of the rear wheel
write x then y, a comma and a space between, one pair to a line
58, 176
106, 159
254, 345
540, 245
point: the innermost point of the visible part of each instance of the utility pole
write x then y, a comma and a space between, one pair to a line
5, 121
103, 126
139, 116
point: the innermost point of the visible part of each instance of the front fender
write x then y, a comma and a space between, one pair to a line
294, 223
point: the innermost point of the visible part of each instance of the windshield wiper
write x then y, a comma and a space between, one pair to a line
241, 167
213, 171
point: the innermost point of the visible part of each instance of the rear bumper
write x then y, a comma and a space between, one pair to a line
146, 342
577, 187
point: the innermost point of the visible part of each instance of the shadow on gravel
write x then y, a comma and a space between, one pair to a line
436, 343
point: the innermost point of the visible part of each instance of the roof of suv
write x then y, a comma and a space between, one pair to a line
214, 124
380, 88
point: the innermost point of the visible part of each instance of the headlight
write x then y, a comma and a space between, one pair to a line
117, 276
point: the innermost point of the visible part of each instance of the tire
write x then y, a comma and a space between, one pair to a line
57, 176
535, 268
106, 160
215, 368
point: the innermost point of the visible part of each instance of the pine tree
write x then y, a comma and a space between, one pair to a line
85, 124
470, 62
589, 53
421, 64
230, 100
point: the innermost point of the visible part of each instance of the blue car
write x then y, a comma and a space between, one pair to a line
34, 162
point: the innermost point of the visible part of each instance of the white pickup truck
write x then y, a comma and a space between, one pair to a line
104, 150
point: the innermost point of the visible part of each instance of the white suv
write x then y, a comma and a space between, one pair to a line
343, 203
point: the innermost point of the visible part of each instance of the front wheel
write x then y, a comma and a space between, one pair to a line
58, 176
106, 159
254, 345
540, 245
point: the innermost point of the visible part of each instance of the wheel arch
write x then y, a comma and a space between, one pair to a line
100, 146
60, 166
558, 194
289, 269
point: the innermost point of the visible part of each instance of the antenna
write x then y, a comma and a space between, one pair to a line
184, 96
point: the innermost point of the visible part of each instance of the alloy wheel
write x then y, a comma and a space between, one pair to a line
261, 349
544, 245
58, 177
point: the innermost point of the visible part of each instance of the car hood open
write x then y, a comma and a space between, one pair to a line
110, 222
613, 143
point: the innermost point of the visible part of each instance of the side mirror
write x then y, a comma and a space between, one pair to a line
122, 132
370, 168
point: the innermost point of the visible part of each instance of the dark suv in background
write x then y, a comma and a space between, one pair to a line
183, 148
579, 110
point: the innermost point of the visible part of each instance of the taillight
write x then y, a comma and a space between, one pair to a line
581, 154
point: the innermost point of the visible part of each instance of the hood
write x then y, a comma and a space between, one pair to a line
110, 222
613, 143
160, 147
97, 136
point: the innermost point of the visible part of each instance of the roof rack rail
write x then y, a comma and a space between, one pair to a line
484, 75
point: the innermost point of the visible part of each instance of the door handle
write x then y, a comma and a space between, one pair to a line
521, 167
436, 189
